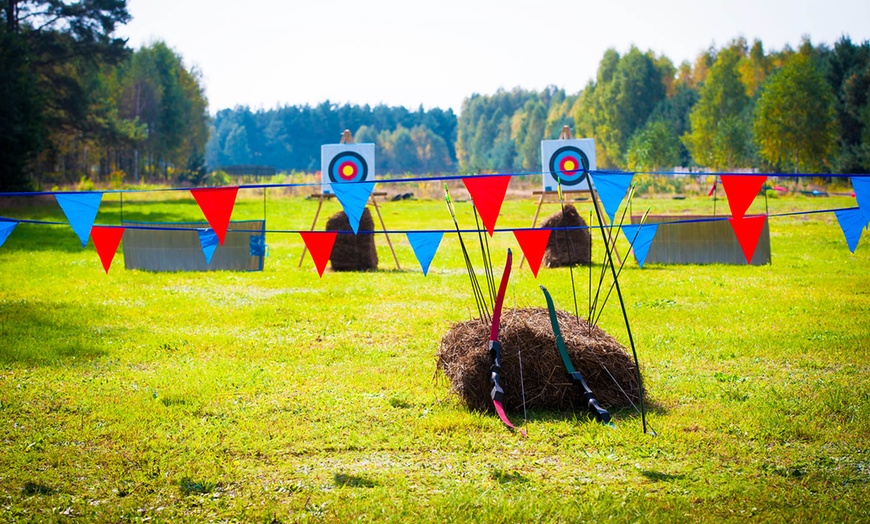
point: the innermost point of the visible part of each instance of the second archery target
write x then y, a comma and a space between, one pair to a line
345, 163
568, 161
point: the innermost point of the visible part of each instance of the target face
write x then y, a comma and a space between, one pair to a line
348, 167
567, 162
346, 163
569, 165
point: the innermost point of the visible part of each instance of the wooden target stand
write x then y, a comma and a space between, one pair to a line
548, 197
347, 138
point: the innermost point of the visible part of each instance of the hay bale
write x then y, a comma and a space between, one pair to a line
353, 252
571, 247
464, 358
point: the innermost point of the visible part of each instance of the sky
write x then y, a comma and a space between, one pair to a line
269, 53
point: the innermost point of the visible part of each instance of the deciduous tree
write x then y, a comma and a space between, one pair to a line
719, 117
795, 126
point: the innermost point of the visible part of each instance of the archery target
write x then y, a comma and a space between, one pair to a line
568, 161
345, 163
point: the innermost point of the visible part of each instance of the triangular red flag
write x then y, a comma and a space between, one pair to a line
748, 230
488, 194
106, 240
533, 242
217, 206
319, 243
741, 191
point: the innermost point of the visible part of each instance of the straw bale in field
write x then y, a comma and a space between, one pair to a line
567, 247
527, 340
353, 252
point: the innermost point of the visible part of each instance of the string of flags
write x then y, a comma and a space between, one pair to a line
487, 193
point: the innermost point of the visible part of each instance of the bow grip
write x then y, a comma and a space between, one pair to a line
497, 393
601, 414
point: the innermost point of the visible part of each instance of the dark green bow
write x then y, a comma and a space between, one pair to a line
601, 414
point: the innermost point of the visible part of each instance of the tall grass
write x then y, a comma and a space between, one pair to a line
279, 396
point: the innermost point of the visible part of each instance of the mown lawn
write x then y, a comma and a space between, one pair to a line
278, 396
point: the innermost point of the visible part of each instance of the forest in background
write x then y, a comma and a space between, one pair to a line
737, 107
289, 138
78, 106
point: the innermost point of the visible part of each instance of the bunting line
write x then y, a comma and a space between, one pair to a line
443, 178
405, 231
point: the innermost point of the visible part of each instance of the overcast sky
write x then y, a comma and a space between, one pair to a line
267, 53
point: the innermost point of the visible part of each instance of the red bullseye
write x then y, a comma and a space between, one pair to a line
347, 170
569, 165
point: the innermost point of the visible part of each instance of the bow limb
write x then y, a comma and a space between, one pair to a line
601, 414
497, 393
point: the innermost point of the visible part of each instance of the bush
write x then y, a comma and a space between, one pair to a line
658, 184
217, 178
116, 178
85, 184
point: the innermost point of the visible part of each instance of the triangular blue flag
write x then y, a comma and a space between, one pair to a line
353, 197
852, 222
5, 229
81, 211
640, 236
611, 189
425, 244
208, 239
861, 185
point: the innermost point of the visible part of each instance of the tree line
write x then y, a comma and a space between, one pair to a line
289, 138
77, 104
737, 107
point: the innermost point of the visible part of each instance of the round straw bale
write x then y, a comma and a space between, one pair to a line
527, 340
353, 252
567, 247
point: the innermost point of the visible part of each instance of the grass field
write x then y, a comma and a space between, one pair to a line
278, 396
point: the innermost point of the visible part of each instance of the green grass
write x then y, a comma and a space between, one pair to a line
277, 396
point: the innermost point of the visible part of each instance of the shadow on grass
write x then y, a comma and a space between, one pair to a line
195, 487
41, 333
352, 481
33, 488
620, 416
507, 477
658, 476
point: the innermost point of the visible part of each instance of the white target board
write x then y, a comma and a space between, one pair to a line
344, 163
568, 160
